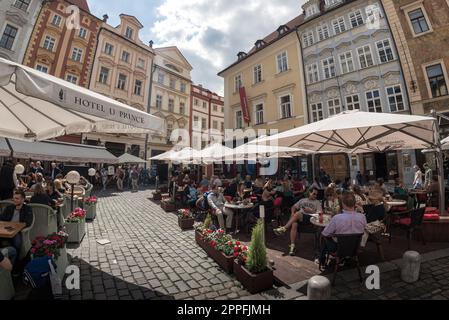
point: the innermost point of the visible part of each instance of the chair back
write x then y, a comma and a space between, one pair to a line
417, 217
89, 190
367, 208
4, 204
45, 221
375, 213
348, 245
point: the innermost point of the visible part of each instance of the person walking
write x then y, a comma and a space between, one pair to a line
428, 175
417, 182
120, 175
135, 179
104, 178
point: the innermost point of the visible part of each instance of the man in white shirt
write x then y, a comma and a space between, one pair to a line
216, 202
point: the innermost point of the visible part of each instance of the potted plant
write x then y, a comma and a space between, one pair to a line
168, 205
157, 195
201, 229
251, 266
185, 219
225, 249
76, 226
90, 205
54, 246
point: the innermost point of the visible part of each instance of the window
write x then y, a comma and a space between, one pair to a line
356, 18
332, 2
373, 101
56, 20
418, 21
42, 68
365, 57
323, 32
346, 62
108, 49
215, 125
437, 82
104, 74
196, 122
328, 67
138, 88
182, 108
140, 63
77, 54
282, 62
203, 123
257, 74
395, 99
353, 102
214, 107
317, 112
71, 78
286, 108
129, 33
159, 102
222, 126
238, 120
125, 56
173, 83
22, 4
334, 107
204, 105
308, 39
310, 11
222, 109
49, 43
312, 73
237, 83
259, 113
171, 105
83, 33
384, 50
8, 37
160, 78
339, 25
197, 102
121, 81
183, 87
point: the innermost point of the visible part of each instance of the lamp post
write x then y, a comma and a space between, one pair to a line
73, 178
19, 170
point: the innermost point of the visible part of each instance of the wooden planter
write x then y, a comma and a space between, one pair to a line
168, 207
157, 196
91, 211
226, 263
186, 224
254, 283
76, 231
203, 244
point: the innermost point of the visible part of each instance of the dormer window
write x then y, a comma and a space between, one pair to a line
241, 55
259, 44
283, 29
129, 33
311, 10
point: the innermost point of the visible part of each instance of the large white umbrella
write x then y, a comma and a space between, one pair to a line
129, 158
36, 106
166, 156
250, 150
214, 152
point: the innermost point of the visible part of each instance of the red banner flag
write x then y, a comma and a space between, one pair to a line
244, 103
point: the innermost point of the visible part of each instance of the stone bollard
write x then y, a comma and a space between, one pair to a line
318, 288
411, 265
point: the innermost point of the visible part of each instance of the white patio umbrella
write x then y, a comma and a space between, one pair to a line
214, 152
445, 144
251, 150
129, 158
189, 156
36, 106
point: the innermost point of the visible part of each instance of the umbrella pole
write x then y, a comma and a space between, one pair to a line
439, 156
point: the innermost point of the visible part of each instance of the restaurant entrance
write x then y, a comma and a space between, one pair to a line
336, 165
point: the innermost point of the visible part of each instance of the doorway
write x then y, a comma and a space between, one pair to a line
380, 160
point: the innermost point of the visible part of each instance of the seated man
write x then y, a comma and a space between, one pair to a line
248, 182
216, 202
18, 212
348, 222
300, 213
7, 258
190, 195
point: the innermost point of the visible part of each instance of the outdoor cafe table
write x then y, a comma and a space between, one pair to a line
319, 227
237, 208
396, 203
9, 230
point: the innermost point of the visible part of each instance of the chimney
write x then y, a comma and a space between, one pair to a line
105, 18
151, 43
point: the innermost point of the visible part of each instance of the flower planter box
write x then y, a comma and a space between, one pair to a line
203, 244
254, 283
157, 196
91, 211
168, 207
76, 231
226, 263
186, 224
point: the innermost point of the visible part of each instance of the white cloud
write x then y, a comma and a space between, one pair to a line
211, 32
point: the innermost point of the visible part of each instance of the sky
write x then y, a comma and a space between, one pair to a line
208, 32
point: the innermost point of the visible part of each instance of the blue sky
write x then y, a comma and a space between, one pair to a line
208, 32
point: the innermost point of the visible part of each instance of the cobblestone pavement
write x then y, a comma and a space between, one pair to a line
148, 258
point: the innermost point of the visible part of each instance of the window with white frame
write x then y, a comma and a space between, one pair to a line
346, 63
353, 102
239, 120
257, 74
282, 62
384, 50
196, 142
215, 124
316, 110
42, 68
203, 123
22, 4
141, 63
71, 78
308, 39
311, 10
365, 56
373, 13
418, 21
159, 102
332, 2
204, 105
49, 43
196, 102
173, 83
183, 87
215, 108
286, 107
77, 54
328, 68
395, 98
138, 88
125, 56
83, 33
334, 107
312, 73
437, 80
182, 108
373, 101
323, 32
339, 25
104, 75
356, 18
56, 21
121, 83
8, 37
108, 48
160, 78
238, 82
196, 122
171, 105
259, 113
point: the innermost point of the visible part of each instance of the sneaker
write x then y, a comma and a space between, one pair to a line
280, 231
292, 250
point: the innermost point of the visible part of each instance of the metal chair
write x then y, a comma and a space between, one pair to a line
410, 222
45, 221
26, 240
347, 248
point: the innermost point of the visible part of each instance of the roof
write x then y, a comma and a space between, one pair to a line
132, 17
161, 50
270, 39
82, 4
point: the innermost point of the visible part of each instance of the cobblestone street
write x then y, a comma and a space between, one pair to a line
148, 258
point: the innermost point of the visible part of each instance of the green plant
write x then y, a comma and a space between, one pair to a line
257, 252
208, 221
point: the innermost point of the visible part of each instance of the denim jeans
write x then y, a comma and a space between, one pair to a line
10, 253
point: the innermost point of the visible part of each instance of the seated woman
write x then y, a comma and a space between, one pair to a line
59, 186
331, 203
258, 187
268, 195
31, 180
41, 197
360, 198
399, 188
242, 193
52, 192
286, 192
39, 181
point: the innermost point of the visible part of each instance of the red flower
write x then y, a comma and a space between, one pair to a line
237, 243
236, 254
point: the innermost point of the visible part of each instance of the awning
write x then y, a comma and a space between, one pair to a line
4, 148
129, 158
61, 152
35, 106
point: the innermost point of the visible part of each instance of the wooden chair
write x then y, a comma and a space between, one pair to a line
347, 248
410, 222
45, 221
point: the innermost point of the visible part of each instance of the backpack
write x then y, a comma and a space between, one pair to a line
202, 202
37, 272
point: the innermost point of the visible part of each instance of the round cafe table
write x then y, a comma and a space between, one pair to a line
238, 208
319, 227
396, 203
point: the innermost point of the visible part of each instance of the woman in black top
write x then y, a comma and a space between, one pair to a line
53, 193
41, 197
